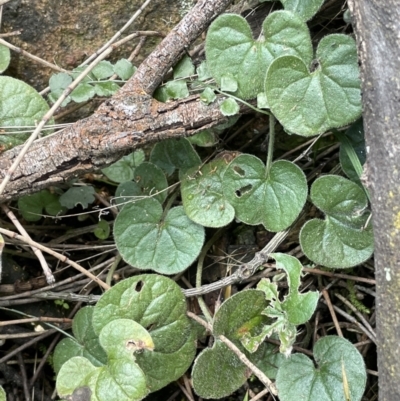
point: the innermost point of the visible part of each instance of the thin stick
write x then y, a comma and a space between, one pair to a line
31, 56
340, 275
27, 345
360, 316
260, 375
55, 254
36, 319
331, 310
59, 101
46, 269
355, 321
118, 34
23, 377
8, 34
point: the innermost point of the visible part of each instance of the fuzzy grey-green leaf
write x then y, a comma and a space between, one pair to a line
309, 102
298, 378
231, 49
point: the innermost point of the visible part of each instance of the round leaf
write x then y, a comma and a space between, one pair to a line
83, 92
218, 372
123, 169
174, 154
331, 244
145, 241
340, 365
311, 102
103, 70
240, 315
20, 106
231, 49
229, 107
339, 241
78, 195
203, 197
5, 58
31, 206
305, 8
124, 69
274, 200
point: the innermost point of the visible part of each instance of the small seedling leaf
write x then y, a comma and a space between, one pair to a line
124, 69
31, 206
123, 169
208, 96
103, 70
106, 88
83, 93
299, 378
59, 82
204, 138
229, 107
102, 231
78, 196
184, 68
3, 396
176, 89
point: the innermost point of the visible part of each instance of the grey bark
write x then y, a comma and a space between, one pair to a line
130, 119
377, 27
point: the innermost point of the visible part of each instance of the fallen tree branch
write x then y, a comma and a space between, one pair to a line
129, 120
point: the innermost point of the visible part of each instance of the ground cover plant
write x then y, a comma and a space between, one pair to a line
227, 243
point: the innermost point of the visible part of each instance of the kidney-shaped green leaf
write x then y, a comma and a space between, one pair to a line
340, 367
123, 169
341, 240
305, 8
148, 240
158, 304
217, 371
274, 200
309, 102
174, 154
20, 106
231, 50
203, 196
5, 58
31, 206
